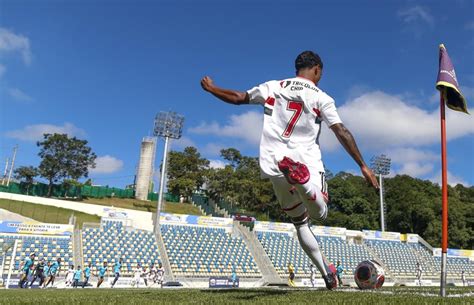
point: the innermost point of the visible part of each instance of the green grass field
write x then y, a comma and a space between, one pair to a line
141, 205
44, 213
400, 295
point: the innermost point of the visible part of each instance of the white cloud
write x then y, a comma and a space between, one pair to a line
379, 120
106, 165
19, 95
452, 179
212, 149
246, 126
15, 43
35, 132
416, 169
469, 25
3, 69
403, 155
416, 14
216, 164
182, 143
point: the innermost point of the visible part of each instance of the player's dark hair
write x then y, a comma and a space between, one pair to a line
307, 59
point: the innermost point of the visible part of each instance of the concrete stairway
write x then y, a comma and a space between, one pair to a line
164, 257
269, 274
388, 273
77, 252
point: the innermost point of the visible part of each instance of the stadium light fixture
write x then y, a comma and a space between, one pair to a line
168, 125
380, 165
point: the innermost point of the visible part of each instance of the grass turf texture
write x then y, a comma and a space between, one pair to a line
141, 205
45, 213
402, 295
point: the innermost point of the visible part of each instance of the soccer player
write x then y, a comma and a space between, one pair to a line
46, 274
419, 272
160, 275
87, 274
234, 278
25, 268
312, 269
77, 277
339, 271
70, 276
38, 273
137, 274
291, 275
117, 267
463, 278
294, 109
148, 276
102, 270
53, 272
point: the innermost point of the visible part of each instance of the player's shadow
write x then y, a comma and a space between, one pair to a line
249, 295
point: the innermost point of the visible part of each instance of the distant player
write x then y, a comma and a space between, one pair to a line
160, 275
234, 278
291, 275
46, 274
312, 271
87, 274
53, 272
339, 271
77, 277
294, 109
419, 273
70, 276
38, 273
117, 268
137, 275
148, 275
25, 268
463, 278
101, 273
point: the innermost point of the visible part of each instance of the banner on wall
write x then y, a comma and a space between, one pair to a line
369, 234
274, 226
114, 213
35, 228
456, 253
322, 230
181, 219
412, 238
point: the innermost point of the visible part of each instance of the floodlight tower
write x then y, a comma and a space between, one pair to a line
167, 125
381, 166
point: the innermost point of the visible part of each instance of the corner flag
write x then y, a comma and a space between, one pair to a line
448, 87
447, 83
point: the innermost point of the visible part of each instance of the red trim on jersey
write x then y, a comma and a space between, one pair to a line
318, 113
293, 207
270, 101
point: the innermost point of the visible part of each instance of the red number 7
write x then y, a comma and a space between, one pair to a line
297, 108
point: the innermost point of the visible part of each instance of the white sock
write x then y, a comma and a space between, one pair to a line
310, 246
313, 199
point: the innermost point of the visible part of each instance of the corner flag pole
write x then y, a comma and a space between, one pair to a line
444, 199
451, 97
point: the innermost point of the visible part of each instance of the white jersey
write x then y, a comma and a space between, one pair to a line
313, 272
293, 111
138, 273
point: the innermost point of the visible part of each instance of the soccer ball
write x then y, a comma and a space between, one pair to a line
369, 275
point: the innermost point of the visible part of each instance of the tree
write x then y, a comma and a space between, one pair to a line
63, 157
26, 174
186, 171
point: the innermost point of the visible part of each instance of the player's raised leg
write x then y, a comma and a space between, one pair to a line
291, 203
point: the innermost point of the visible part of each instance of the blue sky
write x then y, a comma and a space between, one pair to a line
101, 70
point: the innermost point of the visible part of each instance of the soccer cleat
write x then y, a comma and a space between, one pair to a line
295, 172
331, 278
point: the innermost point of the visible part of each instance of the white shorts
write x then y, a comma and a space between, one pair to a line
291, 201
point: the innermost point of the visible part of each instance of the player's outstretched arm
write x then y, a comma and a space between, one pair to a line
227, 95
347, 140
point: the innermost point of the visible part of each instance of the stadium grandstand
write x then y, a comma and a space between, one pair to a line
195, 249
112, 241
